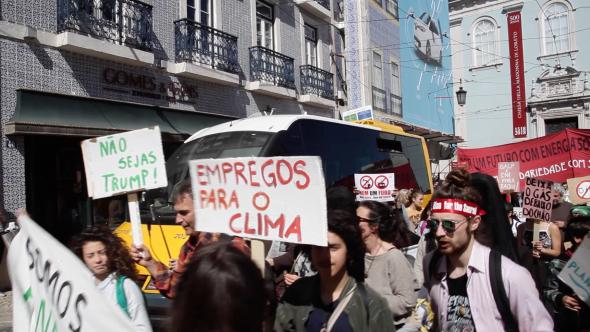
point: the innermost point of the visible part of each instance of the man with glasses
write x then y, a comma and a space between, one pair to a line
458, 274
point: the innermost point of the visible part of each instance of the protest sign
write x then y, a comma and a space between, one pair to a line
125, 164
279, 198
576, 272
508, 176
579, 189
375, 187
537, 201
556, 157
53, 290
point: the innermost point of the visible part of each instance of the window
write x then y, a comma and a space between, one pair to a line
395, 84
377, 70
378, 93
559, 124
264, 21
395, 99
392, 7
311, 42
200, 11
484, 43
555, 22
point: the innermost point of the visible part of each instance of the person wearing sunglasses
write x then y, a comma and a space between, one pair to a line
458, 274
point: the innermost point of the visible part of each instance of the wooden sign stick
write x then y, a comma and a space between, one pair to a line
135, 217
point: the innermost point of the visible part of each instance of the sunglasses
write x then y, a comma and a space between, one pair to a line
448, 225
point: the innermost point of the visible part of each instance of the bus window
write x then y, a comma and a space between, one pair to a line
346, 150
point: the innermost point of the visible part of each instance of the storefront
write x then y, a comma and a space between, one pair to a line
52, 127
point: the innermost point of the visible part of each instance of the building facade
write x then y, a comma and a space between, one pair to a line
556, 61
372, 57
74, 69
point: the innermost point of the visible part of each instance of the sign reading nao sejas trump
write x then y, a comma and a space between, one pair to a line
53, 290
278, 198
124, 163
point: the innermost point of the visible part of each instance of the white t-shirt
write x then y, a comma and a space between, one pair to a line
135, 303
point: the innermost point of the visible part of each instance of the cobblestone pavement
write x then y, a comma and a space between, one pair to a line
6, 312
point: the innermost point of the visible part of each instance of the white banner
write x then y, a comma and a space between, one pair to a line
576, 272
375, 187
279, 198
53, 290
124, 163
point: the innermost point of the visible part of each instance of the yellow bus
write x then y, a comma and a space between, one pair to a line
345, 148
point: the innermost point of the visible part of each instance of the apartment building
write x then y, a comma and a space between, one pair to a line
74, 69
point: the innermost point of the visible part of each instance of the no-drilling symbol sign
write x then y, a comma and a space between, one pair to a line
366, 182
376, 187
579, 189
583, 189
381, 182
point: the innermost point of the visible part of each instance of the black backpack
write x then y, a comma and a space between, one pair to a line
498, 290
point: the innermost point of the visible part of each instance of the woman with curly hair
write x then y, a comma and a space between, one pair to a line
336, 299
114, 272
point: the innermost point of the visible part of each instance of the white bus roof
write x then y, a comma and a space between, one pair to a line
270, 123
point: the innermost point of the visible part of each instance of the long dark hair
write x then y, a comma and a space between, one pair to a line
345, 225
221, 290
494, 230
117, 253
391, 226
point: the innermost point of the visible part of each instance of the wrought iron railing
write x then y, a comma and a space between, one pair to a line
379, 99
127, 22
324, 3
202, 44
315, 81
270, 66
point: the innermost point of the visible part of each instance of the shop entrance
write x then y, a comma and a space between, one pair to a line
56, 188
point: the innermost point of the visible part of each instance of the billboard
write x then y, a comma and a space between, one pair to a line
425, 53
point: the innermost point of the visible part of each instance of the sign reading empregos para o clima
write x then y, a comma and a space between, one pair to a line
278, 198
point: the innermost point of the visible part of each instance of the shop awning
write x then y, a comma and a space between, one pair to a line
42, 113
428, 134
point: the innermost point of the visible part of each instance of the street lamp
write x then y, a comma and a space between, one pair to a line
461, 94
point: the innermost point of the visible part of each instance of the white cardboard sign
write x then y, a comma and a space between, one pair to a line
508, 176
375, 187
53, 290
124, 163
278, 198
576, 272
537, 201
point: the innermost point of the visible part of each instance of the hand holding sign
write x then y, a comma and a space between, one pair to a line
125, 164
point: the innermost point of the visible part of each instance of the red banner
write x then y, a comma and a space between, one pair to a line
555, 157
519, 125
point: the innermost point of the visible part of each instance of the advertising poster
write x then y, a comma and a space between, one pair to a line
427, 96
277, 199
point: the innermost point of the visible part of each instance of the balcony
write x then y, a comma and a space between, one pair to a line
317, 86
106, 28
205, 53
271, 73
320, 8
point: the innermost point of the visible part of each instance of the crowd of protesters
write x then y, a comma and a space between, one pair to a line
475, 267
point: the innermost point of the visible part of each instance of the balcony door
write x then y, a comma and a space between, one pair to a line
264, 25
201, 11
311, 45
